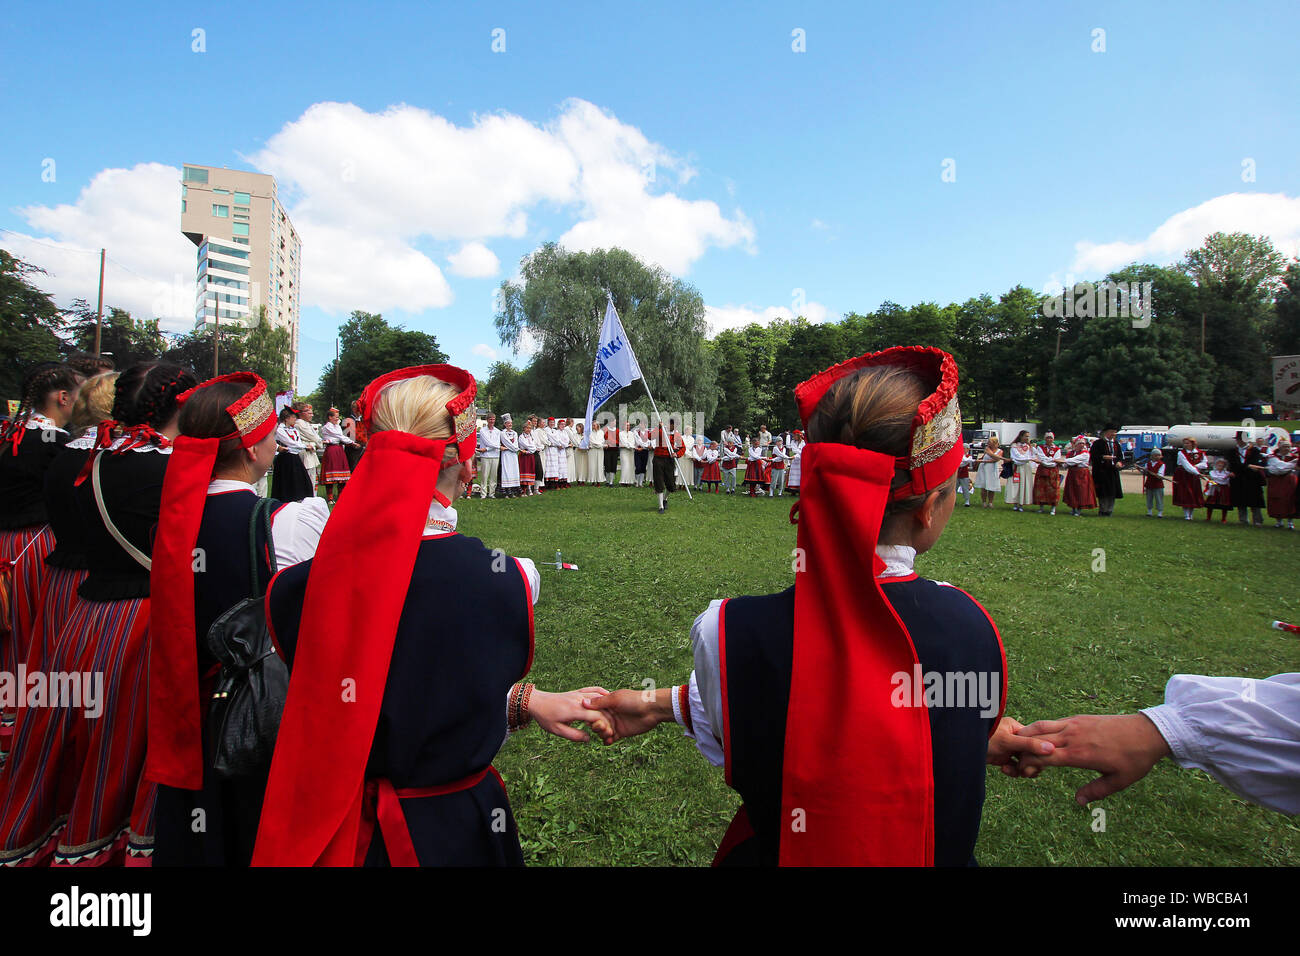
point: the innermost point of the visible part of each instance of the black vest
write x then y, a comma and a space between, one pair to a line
131, 483
66, 520
951, 633
22, 477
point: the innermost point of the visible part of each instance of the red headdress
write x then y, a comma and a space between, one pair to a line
865, 793
309, 816
175, 755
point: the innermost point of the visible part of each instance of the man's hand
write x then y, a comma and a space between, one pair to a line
1007, 749
1122, 748
628, 713
555, 712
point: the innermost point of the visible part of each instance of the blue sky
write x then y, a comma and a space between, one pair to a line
763, 171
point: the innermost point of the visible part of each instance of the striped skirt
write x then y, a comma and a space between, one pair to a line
336, 468
527, 469
60, 596
756, 472
74, 788
24, 587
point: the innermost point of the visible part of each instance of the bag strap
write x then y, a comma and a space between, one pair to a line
140, 557
262, 509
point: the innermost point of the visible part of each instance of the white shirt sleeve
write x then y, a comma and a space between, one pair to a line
534, 577
296, 529
1245, 733
706, 686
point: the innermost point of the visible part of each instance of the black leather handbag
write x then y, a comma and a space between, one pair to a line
248, 699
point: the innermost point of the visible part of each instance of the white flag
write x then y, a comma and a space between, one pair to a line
616, 366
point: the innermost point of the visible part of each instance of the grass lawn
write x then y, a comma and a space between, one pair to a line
1175, 597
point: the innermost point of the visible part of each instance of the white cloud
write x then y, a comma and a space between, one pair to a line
135, 214
487, 351
1274, 215
367, 190
474, 261
719, 318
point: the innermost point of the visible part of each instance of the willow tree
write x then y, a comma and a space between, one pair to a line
559, 303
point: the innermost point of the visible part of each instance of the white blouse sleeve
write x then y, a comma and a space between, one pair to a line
533, 576
1245, 733
296, 529
705, 692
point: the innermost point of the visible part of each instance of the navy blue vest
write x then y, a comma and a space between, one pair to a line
66, 518
951, 633
464, 638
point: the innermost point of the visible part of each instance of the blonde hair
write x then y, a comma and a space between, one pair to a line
418, 406
94, 402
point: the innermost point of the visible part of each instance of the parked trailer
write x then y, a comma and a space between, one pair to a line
1222, 438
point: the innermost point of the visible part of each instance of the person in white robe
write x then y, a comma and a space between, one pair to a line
626, 454
595, 455
509, 475
1020, 487
693, 462
527, 458
578, 452
795, 447
566, 452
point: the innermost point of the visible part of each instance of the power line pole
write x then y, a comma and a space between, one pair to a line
99, 318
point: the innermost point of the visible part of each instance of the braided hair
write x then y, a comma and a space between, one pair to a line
146, 393
41, 382
88, 366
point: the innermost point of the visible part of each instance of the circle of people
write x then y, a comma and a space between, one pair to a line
1084, 475
132, 534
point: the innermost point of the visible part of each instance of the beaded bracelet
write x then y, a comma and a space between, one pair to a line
524, 716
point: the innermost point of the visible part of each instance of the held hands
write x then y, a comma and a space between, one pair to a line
627, 713
1009, 750
555, 713
1122, 748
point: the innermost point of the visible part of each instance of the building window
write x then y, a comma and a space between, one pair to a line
243, 209
194, 175
182, 205
221, 212
224, 192
242, 198
239, 228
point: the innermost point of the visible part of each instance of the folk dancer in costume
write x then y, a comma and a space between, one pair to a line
1187, 478
489, 458
695, 455
729, 460
755, 467
1154, 477
1107, 459
595, 446
1078, 493
627, 457
901, 783
356, 431
1280, 473
541, 439
560, 447
337, 445
527, 460
400, 773
28, 445
226, 442
642, 455
780, 462
1218, 490
613, 439
687, 461
712, 474
75, 792
66, 565
1247, 492
509, 476
288, 476
988, 477
314, 445
795, 447
963, 473
1020, 486
576, 464
1047, 483
669, 446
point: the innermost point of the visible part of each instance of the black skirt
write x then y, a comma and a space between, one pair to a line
289, 479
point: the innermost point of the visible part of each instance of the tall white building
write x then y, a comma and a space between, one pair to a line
249, 254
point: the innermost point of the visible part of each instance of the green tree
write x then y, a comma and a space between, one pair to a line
811, 348
30, 324
735, 404
126, 339
1236, 277
560, 303
1284, 329
1115, 372
368, 347
267, 352
193, 350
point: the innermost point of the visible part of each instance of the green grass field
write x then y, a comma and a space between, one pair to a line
1175, 597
